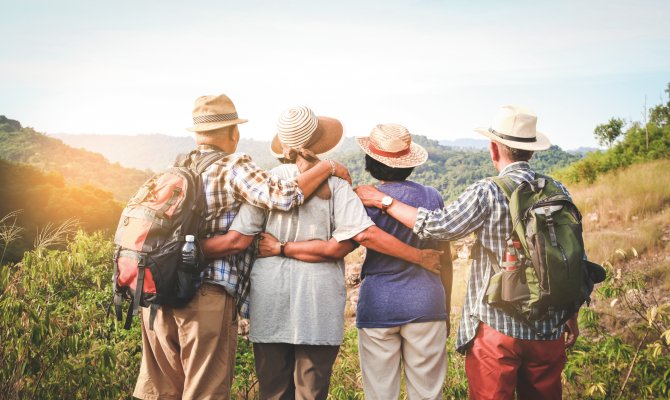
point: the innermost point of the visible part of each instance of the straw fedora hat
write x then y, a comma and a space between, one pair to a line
391, 145
298, 127
514, 127
214, 112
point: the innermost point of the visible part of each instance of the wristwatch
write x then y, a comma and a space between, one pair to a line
281, 248
386, 203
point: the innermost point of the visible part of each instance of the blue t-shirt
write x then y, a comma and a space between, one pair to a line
395, 292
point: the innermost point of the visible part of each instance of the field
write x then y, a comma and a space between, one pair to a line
59, 342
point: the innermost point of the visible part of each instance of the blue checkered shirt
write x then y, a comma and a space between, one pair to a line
484, 210
228, 183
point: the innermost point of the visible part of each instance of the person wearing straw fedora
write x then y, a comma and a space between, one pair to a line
503, 354
403, 312
297, 284
190, 352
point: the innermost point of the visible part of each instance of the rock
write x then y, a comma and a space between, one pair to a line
592, 217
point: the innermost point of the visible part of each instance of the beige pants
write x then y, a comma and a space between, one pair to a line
422, 349
190, 354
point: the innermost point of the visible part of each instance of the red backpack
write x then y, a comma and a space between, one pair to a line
150, 236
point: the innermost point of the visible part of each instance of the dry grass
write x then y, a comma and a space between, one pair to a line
625, 210
624, 195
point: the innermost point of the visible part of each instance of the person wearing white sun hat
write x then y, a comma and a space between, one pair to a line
297, 284
503, 354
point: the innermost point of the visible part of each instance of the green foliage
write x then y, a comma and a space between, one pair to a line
607, 133
45, 198
451, 171
604, 365
76, 166
660, 114
631, 150
56, 340
245, 384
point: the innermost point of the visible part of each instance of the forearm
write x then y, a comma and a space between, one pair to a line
376, 239
231, 243
446, 273
311, 179
318, 250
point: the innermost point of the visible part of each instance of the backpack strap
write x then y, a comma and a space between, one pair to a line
198, 161
139, 289
204, 161
506, 184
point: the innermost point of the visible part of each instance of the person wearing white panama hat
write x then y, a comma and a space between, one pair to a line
503, 354
297, 284
190, 352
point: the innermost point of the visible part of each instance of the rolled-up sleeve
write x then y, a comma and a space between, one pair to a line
349, 216
458, 219
262, 189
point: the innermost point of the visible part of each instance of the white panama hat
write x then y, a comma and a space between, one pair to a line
515, 127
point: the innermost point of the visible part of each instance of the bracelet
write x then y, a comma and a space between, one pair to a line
332, 167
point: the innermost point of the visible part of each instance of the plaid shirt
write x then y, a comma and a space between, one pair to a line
229, 182
483, 209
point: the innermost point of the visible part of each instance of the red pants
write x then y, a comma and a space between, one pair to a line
497, 364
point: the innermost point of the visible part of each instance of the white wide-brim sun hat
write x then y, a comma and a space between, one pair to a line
391, 145
515, 127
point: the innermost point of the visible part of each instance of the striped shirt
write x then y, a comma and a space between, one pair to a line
484, 210
228, 183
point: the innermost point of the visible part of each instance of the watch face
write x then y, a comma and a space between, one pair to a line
387, 200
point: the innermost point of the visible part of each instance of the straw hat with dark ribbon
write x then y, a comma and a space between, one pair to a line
299, 128
391, 144
515, 127
214, 112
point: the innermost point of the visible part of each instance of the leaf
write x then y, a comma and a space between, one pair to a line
666, 335
634, 252
614, 302
621, 253
651, 315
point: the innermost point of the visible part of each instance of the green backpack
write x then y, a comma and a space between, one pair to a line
544, 269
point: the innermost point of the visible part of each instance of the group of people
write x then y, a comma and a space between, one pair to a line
275, 242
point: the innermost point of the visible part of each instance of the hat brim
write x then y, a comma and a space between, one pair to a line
417, 155
210, 126
328, 135
541, 141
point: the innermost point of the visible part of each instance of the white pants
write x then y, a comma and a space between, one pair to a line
422, 347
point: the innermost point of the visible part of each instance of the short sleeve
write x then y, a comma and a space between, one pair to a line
249, 221
260, 188
349, 216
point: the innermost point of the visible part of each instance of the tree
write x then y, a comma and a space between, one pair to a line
660, 115
607, 133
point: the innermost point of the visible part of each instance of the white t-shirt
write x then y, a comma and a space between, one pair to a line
293, 301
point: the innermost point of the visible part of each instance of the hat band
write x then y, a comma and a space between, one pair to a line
203, 119
513, 138
383, 153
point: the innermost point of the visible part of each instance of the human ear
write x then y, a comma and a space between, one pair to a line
494, 151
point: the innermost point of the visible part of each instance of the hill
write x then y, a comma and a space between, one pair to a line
40, 199
77, 166
642, 141
155, 151
448, 169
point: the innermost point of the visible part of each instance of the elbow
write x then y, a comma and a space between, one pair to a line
364, 238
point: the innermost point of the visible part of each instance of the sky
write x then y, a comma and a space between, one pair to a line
441, 68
